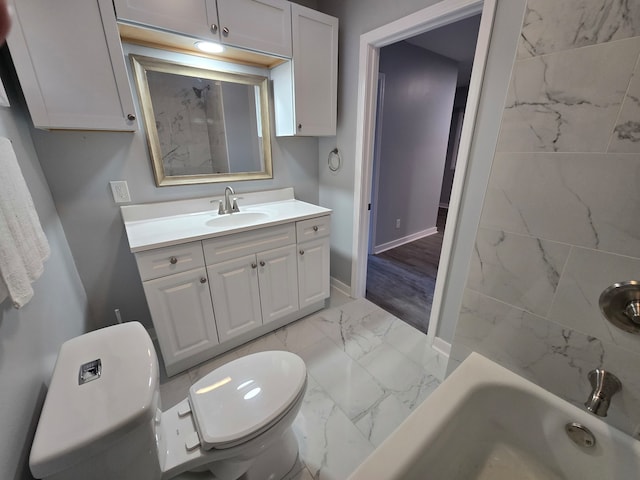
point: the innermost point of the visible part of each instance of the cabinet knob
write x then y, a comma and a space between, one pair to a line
225, 32
254, 265
131, 117
262, 264
299, 126
203, 280
173, 260
214, 28
315, 228
301, 252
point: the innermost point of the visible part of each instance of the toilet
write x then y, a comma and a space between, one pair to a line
102, 417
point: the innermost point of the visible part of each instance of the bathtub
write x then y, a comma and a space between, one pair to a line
486, 423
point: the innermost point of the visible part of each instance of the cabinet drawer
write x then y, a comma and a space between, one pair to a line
168, 260
313, 228
240, 244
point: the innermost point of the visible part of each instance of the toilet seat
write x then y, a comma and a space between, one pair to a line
245, 397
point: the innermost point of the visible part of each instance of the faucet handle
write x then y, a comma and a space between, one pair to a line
220, 208
235, 208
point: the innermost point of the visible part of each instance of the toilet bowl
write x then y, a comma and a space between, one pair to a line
102, 418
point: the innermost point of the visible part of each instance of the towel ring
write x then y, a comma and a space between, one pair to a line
334, 160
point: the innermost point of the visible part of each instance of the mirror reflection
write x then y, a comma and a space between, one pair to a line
203, 126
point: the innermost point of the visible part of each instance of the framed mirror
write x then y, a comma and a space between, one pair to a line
203, 126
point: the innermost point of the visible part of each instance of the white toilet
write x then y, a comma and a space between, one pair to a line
101, 419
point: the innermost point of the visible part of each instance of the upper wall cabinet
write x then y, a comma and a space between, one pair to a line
70, 65
191, 17
259, 25
305, 89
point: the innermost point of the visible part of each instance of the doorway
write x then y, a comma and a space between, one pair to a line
415, 148
443, 13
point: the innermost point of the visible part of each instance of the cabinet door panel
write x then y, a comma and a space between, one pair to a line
313, 271
261, 25
236, 299
182, 314
191, 17
278, 282
315, 70
70, 65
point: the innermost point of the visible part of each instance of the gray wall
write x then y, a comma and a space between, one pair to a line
30, 337
78, 167
560, 217
336, 189
418, 101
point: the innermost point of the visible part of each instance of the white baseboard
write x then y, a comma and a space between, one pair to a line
442, 346
404, 240
340, 286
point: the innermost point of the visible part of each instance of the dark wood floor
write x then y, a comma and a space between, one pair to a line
402, 280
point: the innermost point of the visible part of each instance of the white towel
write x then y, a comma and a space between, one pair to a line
23, 245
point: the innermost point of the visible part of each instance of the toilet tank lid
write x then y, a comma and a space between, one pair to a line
86, 412
246, 395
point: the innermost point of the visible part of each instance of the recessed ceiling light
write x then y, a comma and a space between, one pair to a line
209, 47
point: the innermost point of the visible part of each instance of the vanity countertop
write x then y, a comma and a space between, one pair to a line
156, 225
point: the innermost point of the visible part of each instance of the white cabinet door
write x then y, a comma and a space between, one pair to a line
306, 89
313, 271
278, 277
261, 25
182, 315
315, 70
236, 299
70, 65
192, 17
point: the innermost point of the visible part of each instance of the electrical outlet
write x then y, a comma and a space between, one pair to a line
120, 191
397, 223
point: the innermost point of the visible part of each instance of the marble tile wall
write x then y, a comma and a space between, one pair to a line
560, 217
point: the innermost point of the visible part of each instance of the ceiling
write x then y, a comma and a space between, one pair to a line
456, 41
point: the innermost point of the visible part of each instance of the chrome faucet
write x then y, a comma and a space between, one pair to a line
604, 385
229, 207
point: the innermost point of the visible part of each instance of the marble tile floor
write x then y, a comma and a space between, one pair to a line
367, 370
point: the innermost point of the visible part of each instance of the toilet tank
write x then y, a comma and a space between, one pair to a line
98, 418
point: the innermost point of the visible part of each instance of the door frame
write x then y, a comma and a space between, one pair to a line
430, 18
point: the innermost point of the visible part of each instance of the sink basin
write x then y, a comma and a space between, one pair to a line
237, 219
484, 423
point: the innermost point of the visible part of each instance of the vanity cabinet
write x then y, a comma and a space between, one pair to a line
254, 277
177, 291
259, 25
306, 88
69, 61
313, 260
235, 290
278, 279
211, 295
254, 290
182, 313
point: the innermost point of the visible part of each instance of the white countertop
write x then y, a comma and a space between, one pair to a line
147, 228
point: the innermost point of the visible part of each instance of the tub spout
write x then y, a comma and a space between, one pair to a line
604, 385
